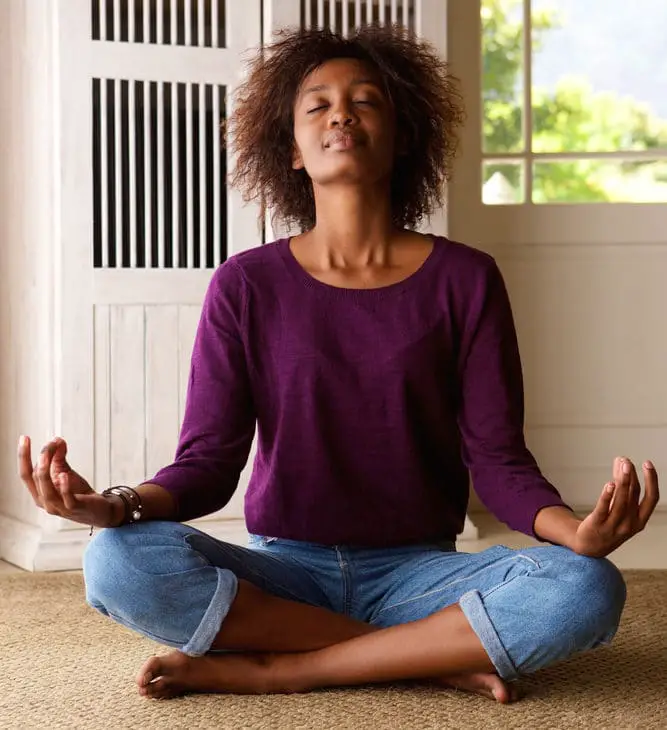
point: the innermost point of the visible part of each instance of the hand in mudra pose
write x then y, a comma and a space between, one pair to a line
619, 514
58, 489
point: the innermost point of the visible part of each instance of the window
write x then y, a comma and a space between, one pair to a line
574, 103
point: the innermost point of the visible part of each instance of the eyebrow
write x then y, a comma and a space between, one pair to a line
324, 87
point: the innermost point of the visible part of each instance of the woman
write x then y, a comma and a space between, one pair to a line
382, 368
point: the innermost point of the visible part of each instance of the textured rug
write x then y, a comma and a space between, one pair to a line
65, 666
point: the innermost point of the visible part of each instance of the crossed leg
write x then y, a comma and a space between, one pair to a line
325, 649
469, 620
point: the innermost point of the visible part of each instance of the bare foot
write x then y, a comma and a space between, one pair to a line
173, 674
488, 685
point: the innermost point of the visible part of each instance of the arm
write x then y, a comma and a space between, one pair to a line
557, 525
491, 413
219, 420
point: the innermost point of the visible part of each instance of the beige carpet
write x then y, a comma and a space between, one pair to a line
64, 666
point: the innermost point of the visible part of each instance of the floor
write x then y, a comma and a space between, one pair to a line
646, 551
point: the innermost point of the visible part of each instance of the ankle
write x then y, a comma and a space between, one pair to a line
288, 673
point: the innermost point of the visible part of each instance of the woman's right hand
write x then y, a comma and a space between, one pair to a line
59, 490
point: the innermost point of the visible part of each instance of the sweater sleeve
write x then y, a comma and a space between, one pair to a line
219, 419
504, 473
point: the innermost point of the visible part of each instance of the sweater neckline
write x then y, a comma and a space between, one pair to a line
408, 282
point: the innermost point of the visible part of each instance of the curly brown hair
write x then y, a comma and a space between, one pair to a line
425, 97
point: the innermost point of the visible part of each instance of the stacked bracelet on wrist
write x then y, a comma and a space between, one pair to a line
132, 505
131, 502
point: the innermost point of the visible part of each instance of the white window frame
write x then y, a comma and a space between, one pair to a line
528, 157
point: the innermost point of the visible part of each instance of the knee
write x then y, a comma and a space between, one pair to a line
597, 584
102, 566
129, 566
121, 560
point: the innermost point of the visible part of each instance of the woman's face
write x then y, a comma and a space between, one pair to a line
344, 125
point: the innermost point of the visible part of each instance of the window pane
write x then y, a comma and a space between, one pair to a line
502, 76
503, 183
590, 181
599, 75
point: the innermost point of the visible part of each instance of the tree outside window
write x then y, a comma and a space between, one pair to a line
575, 117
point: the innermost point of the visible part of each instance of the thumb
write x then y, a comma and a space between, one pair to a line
65, 490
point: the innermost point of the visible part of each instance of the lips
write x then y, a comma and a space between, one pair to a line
341, 141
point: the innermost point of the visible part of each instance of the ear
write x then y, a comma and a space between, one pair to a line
297, 160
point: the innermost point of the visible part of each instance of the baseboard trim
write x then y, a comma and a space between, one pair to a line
19, 542
36, 549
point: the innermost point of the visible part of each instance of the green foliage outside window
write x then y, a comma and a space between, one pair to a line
570, 118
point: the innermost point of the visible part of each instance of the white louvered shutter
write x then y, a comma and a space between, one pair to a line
144, 214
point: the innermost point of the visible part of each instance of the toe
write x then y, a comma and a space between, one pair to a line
499, 689
500, 694
158, 689
151, 669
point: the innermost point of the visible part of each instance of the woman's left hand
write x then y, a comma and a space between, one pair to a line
618, 515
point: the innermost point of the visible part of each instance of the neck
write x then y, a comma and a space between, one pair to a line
353, 224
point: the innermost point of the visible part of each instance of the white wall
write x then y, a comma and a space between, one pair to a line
26, 397
587, 288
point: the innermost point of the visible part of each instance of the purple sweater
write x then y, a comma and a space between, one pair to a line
372, 405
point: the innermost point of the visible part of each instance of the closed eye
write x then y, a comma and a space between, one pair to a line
319, 107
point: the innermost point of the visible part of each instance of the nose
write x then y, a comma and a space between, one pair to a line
342, 115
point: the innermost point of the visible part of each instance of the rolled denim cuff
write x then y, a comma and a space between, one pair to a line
473, 608
225, 593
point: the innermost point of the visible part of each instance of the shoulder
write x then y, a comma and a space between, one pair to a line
465, 271
241, 271
472, 285
464, 258
257, 262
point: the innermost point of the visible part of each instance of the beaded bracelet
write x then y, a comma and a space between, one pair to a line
131, 501
132, 506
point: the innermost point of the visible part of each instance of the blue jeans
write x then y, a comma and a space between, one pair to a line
529, 608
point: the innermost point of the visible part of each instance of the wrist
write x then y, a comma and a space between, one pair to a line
116, 510
557, 525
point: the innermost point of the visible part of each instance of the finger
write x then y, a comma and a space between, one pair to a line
601, 510
65, 489
60, 455
622, 492
617, 471
635, 488
651, 493
51, 499
617, 474
26, 469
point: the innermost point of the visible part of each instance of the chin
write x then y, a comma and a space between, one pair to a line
351, 172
